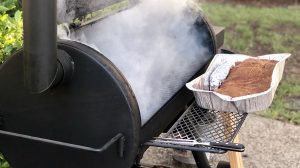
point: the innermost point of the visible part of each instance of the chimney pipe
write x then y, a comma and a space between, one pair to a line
40, 44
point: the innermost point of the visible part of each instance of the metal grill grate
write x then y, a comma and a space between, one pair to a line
207, 125
201, 125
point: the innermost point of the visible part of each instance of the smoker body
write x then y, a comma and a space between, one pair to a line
88, 112
90, 118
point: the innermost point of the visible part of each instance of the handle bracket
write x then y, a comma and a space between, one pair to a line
118, 137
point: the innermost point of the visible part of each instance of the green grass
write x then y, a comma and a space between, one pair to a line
283, 107
272, 29
255, 31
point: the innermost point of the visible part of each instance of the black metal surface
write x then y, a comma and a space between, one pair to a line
170, 112
224, 51
1, 119
228, 146
65, 67
201, 159
40, 48
88, 111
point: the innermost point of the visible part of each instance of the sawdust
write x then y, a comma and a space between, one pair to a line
248, 77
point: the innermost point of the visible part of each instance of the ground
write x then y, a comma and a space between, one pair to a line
269, 144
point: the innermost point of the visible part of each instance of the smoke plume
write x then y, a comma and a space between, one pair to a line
156, 46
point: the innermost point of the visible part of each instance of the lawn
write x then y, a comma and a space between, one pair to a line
262, 30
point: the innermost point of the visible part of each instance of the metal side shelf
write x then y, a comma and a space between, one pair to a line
203, 130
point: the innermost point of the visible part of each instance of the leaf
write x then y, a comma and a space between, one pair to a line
5, 165
18, 16
3, 9
11, 34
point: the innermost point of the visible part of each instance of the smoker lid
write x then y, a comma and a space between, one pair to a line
165, 85
68, 10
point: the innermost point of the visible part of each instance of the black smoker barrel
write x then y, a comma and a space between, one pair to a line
86, 113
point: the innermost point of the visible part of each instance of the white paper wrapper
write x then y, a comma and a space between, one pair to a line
244, 104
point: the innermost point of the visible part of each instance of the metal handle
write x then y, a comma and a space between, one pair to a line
183, 143
218, 145
228, 146
118, 137
183, 147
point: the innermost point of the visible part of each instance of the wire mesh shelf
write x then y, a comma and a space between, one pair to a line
202, 125
205, 125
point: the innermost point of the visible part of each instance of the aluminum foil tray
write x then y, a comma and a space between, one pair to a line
245, 104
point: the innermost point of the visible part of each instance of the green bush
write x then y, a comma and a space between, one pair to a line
11, 35
3, 163
9, 6
11, 28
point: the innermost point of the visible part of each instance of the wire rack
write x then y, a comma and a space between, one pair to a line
203, 125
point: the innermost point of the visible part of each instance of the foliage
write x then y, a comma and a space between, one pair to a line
3, 163
10, 34
11, 28
9, 6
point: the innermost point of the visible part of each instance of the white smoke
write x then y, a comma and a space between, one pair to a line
64, 15
154, 44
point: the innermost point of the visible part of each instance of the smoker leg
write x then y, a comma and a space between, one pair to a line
201, 159
136, 166
139, 157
